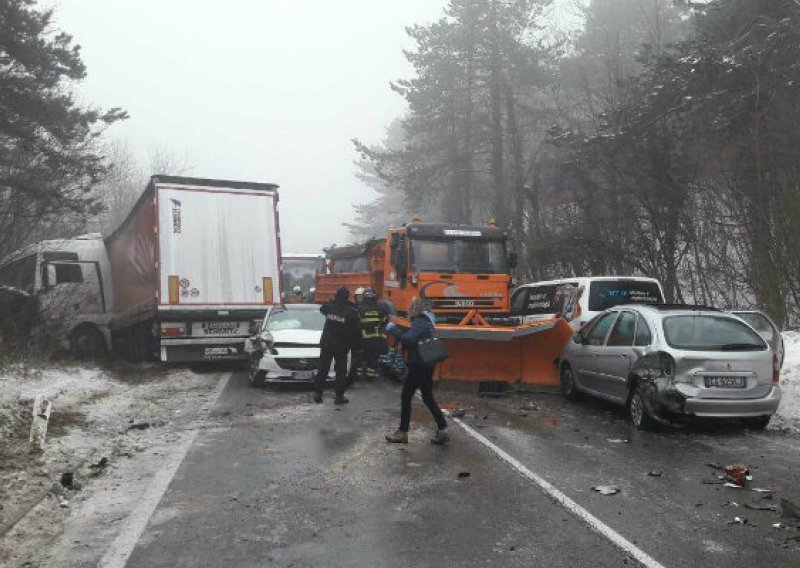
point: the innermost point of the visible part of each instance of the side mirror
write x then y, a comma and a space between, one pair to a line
579, 339
513, 260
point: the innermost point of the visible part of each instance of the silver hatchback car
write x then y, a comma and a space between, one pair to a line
668, 363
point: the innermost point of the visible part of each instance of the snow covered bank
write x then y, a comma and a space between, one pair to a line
788, 416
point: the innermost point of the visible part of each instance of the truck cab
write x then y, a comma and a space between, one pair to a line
70, 279
456, 268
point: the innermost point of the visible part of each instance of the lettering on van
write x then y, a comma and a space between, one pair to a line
176, 216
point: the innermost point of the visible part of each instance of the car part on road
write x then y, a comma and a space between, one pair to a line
654, 474
738, 521
463, 474
756, 507
737, 474
139, 426
606, 489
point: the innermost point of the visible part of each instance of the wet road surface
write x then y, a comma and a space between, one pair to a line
284, 482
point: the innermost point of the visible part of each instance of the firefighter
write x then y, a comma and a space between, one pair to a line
339, 336
359, 295
296, 297
374, 318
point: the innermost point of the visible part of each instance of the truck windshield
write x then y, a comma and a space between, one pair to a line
468, 256
300, 272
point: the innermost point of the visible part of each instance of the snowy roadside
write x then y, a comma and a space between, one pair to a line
788, 416
100, 419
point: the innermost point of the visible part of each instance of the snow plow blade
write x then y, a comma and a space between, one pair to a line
524, 354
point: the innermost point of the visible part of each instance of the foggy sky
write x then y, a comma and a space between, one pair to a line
254, 90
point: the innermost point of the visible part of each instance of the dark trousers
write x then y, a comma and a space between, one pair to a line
419, 378
339, 358
365, 357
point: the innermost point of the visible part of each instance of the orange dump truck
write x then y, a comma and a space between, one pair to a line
464, 273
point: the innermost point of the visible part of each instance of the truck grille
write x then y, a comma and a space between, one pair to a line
298, 364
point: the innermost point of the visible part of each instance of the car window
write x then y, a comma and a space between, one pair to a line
711, 333
542, 300
518, 300
597, 334
68, 273
643, 335
301, 318
604, 294
760, 324
623, 331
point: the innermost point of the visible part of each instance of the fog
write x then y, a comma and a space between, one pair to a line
256, 90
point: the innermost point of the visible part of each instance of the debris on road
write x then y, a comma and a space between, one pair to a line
737, 474
757, 507
738, 521
761, 490
68, 481
789, 510
63, 503
139, 426
529, 406
730, 504
654, 473
733, 485
458, 413
618, 440
606, 489
715, 465
463, 474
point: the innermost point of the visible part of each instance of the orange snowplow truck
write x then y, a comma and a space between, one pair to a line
459, 270
464, 273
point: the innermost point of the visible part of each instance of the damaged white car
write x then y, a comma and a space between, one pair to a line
669, 363
286, 347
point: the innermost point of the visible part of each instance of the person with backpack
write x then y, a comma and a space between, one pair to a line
420, 375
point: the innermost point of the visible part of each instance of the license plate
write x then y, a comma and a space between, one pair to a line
726, 382
217, 328
220, 351
303, 375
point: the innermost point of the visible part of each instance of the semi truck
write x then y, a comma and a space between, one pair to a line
182, 279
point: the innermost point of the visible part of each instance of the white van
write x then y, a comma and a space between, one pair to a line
537, 300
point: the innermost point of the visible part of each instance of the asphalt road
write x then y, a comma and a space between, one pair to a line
285, 482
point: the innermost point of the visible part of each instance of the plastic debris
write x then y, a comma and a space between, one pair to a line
63, 503
757, 507
463, 474
737, 474
789, 510
735, 486
458, 413
761, 490
618, 440
606, 489
777, 525
738, 521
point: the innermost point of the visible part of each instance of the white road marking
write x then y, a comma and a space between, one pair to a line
594, 523
120, 550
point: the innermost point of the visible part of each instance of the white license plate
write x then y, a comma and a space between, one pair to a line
219, 328
303, 375
725, 382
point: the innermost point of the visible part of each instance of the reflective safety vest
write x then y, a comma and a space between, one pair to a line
374, 318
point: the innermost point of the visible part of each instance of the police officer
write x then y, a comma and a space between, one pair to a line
374, 318
339, 335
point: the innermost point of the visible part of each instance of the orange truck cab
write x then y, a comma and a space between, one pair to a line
458, 269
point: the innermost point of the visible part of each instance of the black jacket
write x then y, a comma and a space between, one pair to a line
342, 330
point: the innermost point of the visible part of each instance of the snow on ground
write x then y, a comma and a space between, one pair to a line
93, 410
788, 416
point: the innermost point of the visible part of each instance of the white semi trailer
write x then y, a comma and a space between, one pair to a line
193, 265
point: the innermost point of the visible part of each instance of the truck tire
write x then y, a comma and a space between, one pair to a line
87, 343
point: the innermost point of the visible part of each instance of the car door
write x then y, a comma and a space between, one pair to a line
586, 354
614, 359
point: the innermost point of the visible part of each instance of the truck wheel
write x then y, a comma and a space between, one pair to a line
87, 343
568, 387
256, 376
640, 415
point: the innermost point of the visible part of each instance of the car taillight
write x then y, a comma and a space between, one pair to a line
173, 329
776, 370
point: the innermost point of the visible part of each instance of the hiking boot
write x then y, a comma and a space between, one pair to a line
441, 438
340, 399
318, 397
399, 437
